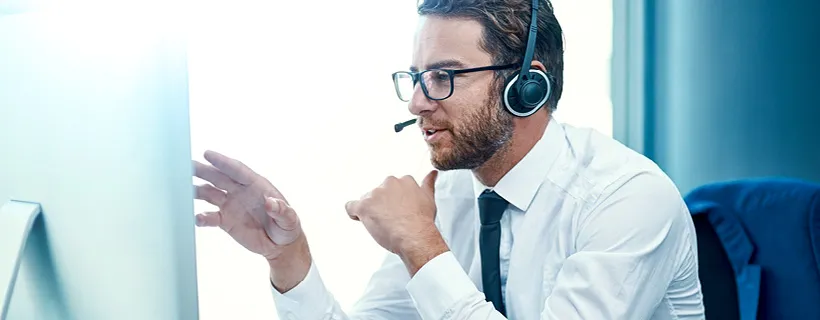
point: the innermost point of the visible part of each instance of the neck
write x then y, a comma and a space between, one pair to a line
526, 134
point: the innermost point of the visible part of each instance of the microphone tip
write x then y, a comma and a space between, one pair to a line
400, 126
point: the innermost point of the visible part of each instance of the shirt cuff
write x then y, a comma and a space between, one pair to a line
309, 299
439, 286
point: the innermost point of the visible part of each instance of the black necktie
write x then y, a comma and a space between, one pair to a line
490, 207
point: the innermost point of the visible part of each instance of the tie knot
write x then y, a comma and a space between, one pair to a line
491, 207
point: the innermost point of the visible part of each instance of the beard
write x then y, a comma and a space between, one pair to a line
476, 139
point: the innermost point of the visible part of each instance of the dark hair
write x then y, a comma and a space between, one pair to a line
506, 26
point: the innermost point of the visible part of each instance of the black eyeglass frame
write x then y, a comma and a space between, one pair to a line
415, 76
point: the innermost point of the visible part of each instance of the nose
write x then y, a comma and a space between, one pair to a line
420, 104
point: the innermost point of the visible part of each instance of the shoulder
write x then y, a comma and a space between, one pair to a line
615, 183
598, 167
626, 203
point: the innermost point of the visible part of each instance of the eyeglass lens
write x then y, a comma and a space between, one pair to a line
438, 84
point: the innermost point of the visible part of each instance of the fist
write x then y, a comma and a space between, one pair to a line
399, 213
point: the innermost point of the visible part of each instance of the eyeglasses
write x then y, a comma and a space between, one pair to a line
437, 84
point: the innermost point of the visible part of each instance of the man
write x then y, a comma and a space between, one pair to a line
525, 218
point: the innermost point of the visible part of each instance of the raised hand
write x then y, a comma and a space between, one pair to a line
251, 209
400, 215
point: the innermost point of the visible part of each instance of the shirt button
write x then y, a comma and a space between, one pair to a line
291, 316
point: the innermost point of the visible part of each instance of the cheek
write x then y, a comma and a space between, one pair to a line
475, 95
465, 107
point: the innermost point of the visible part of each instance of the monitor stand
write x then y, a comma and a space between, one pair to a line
16, 221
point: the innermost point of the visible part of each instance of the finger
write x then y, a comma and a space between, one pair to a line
211, 194
352, 207
212, 175
282, 214
389, 180
209, 219
236, 170
408, 179
429, 183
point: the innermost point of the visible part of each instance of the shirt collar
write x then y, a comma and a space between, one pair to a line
521, 183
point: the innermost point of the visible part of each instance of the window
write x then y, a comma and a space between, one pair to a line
587, 27
304, 97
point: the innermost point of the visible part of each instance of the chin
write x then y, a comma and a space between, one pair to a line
441, 166
444, 161
450, 159
440, 158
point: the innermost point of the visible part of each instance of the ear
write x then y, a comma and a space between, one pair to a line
538, 65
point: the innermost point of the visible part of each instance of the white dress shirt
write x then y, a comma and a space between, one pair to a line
594, 231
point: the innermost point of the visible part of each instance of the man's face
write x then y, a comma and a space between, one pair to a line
470, 126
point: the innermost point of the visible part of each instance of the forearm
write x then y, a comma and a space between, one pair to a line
291, 267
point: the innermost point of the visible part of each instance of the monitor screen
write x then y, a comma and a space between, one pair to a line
94, 129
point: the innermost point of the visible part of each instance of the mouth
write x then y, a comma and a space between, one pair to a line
432, 134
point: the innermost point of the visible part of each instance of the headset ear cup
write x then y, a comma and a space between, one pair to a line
525, 98
510, 96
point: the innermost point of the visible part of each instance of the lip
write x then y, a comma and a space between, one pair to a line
434, 136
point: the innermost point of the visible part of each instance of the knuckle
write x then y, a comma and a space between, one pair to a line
202, 191
362, 205
377, 193
389, 180
365, 202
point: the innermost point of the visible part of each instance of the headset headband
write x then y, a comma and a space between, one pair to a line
527, 63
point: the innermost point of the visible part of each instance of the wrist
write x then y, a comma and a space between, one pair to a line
416, 252
290, 267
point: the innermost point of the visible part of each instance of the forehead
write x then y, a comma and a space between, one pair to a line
441, 39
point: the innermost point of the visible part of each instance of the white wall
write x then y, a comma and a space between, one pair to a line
268, 77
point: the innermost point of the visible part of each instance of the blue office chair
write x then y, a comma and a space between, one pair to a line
758, 248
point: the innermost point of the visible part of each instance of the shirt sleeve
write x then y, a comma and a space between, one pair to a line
628, 251
385, 297
441, 289
307, 300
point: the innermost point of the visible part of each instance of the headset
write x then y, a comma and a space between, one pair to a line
525, 92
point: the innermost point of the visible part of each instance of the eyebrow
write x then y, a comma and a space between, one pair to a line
449, 63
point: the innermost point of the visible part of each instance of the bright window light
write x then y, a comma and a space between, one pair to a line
302, 94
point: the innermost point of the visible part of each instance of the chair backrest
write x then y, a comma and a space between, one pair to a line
716, 275
768, 232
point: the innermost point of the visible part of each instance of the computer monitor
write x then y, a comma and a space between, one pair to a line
95, 160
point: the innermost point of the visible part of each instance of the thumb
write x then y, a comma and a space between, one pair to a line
282, 214
429, 183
